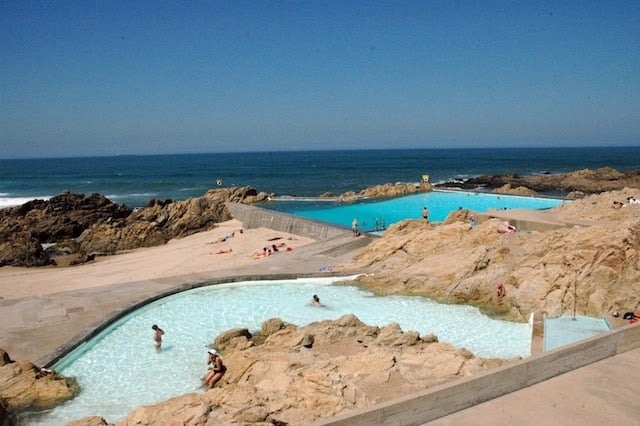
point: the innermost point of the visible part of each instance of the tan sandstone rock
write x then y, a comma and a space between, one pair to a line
457, 263
24, 386
278, 380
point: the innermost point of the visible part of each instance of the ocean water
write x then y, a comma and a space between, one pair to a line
134, 180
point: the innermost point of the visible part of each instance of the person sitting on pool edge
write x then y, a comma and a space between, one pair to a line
216, 369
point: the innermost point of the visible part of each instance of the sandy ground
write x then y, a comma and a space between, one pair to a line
193, 254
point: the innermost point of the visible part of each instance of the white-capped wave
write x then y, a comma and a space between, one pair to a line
143, 194
17, 201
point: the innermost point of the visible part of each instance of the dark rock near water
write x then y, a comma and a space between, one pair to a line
582, 181
25, 228
84, 226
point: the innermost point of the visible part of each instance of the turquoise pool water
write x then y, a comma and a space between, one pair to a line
119, 370
565, 330
376, 215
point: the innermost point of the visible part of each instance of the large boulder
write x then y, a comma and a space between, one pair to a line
24, 386
23, 229
64, 216
387, 190
21, 248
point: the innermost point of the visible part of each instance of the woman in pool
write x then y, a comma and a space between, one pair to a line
157, 337
216, 369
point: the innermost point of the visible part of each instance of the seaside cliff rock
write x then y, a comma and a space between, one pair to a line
23, 229
272, 378
454, 262
160, 222
24, 386
585, 181
88, 225
387, 190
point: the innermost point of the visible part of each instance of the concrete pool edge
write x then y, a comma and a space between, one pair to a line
434, 403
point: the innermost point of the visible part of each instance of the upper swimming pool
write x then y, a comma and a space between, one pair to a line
120, 370
377, 215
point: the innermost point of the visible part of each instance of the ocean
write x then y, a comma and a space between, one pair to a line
134, 180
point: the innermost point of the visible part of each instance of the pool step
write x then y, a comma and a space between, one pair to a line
537, 333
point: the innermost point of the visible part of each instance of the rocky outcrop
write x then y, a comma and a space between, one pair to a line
387, 190
275, 379
162, 221
586, 181
459, 263
24, 386
89, 225
23, 229
509, 189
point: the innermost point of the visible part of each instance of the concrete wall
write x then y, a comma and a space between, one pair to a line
446, 399
256, 217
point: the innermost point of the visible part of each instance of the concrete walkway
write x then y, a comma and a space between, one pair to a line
605, 392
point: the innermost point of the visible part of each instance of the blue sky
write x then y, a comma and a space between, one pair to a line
140, 77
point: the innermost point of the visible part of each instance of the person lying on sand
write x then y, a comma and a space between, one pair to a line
506, 228
627, 315
222, 251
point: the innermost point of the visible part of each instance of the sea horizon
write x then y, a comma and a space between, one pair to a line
135, 179
281, 151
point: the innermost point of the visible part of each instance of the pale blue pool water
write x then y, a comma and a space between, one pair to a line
372, 214
120, 370
565, 330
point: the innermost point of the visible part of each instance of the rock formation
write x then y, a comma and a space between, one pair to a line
387, 190
455, 262
272, 378
586, 181
90, 225
25, 228
24, 386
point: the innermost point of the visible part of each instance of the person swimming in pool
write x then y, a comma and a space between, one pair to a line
315, 301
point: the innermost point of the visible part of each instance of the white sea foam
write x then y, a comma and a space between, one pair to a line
142, 194
17, 201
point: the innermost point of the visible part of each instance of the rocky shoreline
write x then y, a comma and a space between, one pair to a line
572, 185
74, 228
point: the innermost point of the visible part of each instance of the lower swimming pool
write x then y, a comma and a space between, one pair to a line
376, 215
120, 370
562, 331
